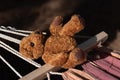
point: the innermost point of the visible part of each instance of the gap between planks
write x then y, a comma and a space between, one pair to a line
40, 73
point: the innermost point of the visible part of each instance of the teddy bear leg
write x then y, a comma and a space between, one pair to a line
55, 59
72, 27
56, 25
77, 56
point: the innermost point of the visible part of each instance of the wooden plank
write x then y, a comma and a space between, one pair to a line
40, 73
92, 42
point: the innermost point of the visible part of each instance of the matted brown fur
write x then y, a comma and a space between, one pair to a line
32, 46
60, 48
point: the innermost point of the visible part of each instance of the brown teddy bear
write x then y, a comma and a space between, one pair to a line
61, 48
32, 46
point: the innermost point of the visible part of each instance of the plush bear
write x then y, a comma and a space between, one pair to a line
61, 48
32, 46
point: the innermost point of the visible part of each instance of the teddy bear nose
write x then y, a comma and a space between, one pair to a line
32, 44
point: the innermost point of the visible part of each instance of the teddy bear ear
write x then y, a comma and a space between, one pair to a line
73, 26
56, 25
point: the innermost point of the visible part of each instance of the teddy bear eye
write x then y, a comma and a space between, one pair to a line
32, 44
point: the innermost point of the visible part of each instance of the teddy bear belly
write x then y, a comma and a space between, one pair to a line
57, 44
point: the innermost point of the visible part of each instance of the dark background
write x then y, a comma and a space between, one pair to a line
99, 15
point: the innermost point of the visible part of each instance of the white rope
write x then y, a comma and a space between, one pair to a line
44, 33
17, 73
9, 38
23, 31
48, 76
8, 48
3, 27
19, 32
12, 32
55, 73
